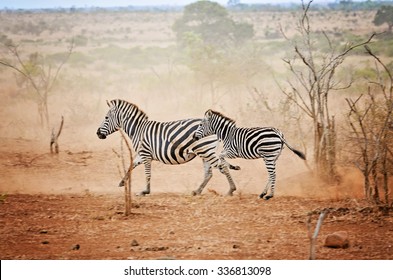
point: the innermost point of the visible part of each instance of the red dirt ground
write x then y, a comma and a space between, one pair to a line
67, 206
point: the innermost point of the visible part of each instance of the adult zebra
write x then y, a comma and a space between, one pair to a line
248, 143
167, 142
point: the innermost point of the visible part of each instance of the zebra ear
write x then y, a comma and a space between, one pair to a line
208, 114
109, 104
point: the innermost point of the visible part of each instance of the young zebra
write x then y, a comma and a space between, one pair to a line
167, 142
248, 143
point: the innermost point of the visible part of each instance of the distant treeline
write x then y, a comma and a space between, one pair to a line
232, 5
337, 5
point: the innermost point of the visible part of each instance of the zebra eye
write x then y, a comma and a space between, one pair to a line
106, 118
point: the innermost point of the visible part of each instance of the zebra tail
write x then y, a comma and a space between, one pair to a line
297, 152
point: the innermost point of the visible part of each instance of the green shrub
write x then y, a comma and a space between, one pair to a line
80, 40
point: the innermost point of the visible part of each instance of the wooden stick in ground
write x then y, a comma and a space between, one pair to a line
127, 183
55, 137
313, 237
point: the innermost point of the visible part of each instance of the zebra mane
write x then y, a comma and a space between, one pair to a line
220, 115
127, 107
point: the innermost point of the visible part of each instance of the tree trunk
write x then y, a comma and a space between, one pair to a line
385, 176
325, 150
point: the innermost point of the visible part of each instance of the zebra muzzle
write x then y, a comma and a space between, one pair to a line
100, 134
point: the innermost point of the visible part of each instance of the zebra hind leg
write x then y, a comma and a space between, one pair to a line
234, 167
264, 193
271, 169
208, 174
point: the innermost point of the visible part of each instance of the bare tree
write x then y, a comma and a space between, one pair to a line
38, 74
314, 78
371, 122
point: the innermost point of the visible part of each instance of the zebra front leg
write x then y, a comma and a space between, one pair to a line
224, 170
148, 177
224, 167
137, 161
125, 178
208, 174
271, 169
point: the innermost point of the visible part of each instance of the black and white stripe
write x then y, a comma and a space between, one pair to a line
248, 143
167, 142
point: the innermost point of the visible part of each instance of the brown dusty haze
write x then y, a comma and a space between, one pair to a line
68, 206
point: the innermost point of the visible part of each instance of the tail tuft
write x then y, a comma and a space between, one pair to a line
299, 154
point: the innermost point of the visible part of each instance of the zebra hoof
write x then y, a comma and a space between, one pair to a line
121, 184
234, 167
195, 193
267, 197
142, 193
262, 195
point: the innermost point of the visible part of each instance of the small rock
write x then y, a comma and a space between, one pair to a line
167, 258
337, 239
76, 247
155, 249
134, 243
45, 242
235, 246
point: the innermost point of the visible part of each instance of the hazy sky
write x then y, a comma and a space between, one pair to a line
26, 4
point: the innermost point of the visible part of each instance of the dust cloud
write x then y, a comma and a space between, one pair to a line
167, 90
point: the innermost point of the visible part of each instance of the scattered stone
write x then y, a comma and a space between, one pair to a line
337, 239
45, 242
134, 243
155, 249
43, 231
235, 246
76, 247
167, 258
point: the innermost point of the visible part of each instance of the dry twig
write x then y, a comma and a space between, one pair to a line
54, 137
313, 237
